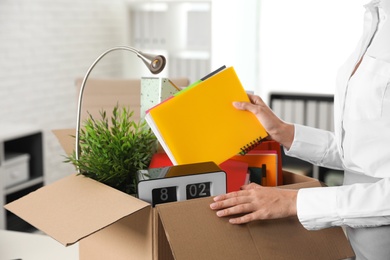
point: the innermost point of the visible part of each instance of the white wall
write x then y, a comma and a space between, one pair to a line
44, 46
284, 45
303, 43
235, 32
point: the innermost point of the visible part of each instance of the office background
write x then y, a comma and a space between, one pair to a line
290, 46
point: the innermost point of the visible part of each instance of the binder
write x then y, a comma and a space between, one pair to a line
258, 158
200, 124
272, 145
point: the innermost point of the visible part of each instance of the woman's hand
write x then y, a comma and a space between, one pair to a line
256, 202
276, 128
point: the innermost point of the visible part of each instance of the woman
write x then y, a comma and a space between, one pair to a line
359, 145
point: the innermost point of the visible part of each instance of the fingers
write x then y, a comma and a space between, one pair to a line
230, 208
226, 200
251, 185
229, 200
235, 198
255, 99
234, 210
246, 106
243, 219
239, 205
239, 105
255, 202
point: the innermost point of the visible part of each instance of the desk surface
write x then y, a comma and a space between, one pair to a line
27, 246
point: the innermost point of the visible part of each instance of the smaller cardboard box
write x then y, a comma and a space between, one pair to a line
109, 224
154, 91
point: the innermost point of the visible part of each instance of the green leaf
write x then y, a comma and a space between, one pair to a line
113, 149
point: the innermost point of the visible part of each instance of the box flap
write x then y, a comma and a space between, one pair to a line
195, 232
296, 181
66, 139
74, 207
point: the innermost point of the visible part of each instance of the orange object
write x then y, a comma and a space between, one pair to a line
256, 158
271, 145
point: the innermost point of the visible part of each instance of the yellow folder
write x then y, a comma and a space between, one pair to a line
200, 124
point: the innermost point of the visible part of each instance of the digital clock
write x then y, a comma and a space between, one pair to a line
164, 195
184, 182
198, 190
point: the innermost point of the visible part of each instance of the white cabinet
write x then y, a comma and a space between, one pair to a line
15, 169
197, 37
180, 30
21, 169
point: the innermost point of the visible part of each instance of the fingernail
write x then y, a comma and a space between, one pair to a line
236, 104
219, 213
213, 205
232, 221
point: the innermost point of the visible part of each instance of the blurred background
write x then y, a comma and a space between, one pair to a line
275, 46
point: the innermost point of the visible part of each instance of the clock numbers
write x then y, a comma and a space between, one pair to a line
198, 190
164, 195
181, 187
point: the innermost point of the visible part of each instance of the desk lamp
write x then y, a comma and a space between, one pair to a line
155, 64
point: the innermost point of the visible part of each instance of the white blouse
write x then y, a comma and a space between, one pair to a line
361, 141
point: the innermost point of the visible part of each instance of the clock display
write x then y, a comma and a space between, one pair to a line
164, 195
198, 190
183, 182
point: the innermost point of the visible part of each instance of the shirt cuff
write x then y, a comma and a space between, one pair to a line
317, 208
309, 143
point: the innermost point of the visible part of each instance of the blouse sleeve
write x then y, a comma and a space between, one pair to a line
357, 205
315, 146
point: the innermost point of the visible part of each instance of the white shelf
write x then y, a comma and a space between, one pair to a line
12, 131
24, 185
20, 139
179, 29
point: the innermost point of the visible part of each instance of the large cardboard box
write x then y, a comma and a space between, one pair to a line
109, 224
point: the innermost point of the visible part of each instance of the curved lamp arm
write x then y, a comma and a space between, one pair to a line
155, 64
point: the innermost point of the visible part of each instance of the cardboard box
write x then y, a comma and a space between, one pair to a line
109, 224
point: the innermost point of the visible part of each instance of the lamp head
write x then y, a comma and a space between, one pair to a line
155, 63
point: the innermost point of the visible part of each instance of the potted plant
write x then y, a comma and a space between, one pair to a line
113, 150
